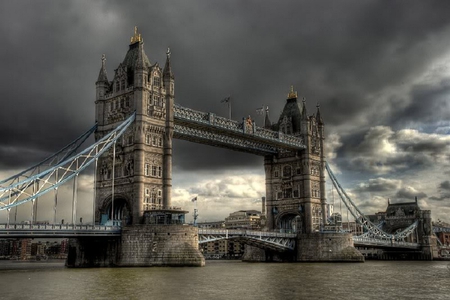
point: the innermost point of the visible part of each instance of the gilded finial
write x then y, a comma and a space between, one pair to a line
136, 37
292, 94
168, 52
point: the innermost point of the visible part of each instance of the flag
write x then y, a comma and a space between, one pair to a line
194, 199
226, 100
260, 110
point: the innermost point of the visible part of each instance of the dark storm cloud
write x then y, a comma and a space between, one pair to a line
445, 185
335, 53
428, 104
378, 185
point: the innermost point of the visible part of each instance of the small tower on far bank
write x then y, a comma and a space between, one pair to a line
142, 166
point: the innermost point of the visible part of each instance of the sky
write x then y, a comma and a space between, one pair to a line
378, 69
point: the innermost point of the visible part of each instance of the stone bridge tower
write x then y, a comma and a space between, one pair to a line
141, 163
295, 180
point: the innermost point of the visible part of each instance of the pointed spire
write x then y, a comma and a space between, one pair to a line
304, 112
140, 64
102, 77
267, 123
167, 68
136, 37
318, 117
292, 94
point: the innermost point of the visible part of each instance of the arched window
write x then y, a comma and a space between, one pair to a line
287, 171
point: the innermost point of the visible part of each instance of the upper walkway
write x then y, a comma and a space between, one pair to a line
210, 129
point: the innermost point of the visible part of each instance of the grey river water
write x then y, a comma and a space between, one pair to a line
230, 280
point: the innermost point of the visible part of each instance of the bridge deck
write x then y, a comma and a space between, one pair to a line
56, 231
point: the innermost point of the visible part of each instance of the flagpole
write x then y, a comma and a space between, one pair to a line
228, 101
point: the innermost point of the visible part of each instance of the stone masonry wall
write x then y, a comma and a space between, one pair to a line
160, 245
327, 247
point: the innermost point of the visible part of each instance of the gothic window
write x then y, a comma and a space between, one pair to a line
147, 139
287, 171
127, 103
122, 103
159, 172
279, 195
117, 86
154, 171
147, 170
156, 81
153, 196
160, 142
154, 140
296, 194
275, 174
147, 192
122, 85
288, 193
299, 171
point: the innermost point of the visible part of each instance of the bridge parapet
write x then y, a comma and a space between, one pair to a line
363, 241
262, 239
247, 128
56, 230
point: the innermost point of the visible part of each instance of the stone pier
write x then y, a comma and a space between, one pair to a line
312, 247
139, 246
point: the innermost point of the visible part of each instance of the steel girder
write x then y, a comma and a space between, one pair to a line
366, 241
261, 239
32, 187
361, 219
208, 128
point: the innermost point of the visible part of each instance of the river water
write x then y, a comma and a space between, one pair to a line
230, 280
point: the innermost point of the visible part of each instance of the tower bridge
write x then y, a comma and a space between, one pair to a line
136, 120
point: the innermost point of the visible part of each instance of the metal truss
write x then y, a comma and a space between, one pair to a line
360, 218
204, 136
211, 129
440, 229
367, 241
34, 186
262, 239
50, 161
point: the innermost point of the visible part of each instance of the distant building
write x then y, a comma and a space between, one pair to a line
212, 225
244, 219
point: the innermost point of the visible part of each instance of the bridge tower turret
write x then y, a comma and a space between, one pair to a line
143, 157
295, 180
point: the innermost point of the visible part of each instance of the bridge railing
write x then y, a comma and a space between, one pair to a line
236, 232
53, 227
211, 119
392, 243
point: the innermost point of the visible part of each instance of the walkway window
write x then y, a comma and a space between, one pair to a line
156, 81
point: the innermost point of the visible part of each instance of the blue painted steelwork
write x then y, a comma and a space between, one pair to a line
360, 218
50, 161
50, 179
266, 239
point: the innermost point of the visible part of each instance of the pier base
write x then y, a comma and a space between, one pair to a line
139, 246
327, 247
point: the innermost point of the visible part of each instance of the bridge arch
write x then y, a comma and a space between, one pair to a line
122, 209
289, 221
